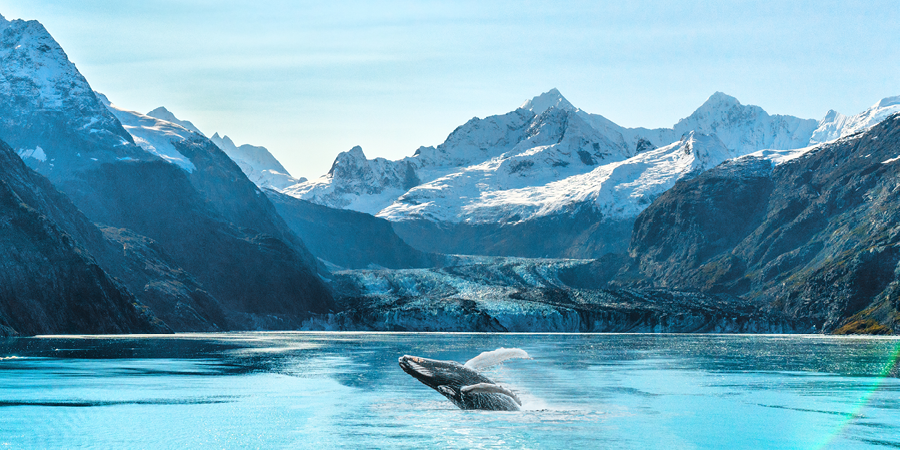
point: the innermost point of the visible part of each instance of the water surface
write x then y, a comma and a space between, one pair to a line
345, 390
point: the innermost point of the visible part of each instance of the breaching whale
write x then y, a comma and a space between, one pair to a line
462, 384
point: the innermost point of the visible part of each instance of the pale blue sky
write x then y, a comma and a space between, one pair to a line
309, 80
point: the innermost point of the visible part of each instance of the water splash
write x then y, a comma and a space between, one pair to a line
494, 357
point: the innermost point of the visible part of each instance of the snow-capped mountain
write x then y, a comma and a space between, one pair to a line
743, 128
510, 151
257, 163
201, 227
620, 189
550, 159
836, 125
357, 183
547, 157
159, 130
43, 97
550, 99
557, 145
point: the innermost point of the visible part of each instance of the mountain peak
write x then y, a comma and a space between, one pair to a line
164, 114
161, 111
550, 99
889, 101
721, 98
830, 116
40, 84
224, 142
357, 152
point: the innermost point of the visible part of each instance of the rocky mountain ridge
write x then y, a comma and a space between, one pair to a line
257, 163
816, 236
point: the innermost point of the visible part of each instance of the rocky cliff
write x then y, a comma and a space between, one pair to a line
49, 282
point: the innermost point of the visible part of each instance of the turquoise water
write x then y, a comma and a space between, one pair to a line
345, 390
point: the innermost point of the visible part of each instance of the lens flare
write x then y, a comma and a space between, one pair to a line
887, 368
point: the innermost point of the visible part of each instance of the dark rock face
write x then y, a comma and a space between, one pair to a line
144, 274
583, 234
231, 195
168, 290
49, 283
696, 221
249, 272
817, 237
349, 239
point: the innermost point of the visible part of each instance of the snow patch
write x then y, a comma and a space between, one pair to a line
155, 136
257, 163
36, 153
164, 114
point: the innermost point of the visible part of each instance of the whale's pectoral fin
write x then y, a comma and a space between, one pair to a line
493, 357
446, 390
488, 388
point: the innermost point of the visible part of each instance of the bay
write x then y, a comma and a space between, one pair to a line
345, 390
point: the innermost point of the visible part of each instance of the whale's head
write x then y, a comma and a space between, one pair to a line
437, 374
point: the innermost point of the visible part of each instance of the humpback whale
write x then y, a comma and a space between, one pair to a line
462, 384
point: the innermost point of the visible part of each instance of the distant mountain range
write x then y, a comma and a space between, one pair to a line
549, 168
733, 220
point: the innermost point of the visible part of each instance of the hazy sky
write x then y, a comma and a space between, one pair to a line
309, 80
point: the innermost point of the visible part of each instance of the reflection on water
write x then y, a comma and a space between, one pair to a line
332, 390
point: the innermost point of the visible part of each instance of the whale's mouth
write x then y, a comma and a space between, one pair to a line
413, 365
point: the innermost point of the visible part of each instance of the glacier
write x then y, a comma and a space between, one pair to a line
488, 294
